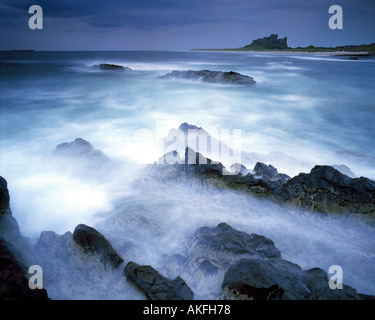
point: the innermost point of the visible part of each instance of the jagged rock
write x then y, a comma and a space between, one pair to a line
198, 164
211, 251
92, 242
13, 283
325, 189
211, 76
237, 168
154, 286
269, 172
279, 279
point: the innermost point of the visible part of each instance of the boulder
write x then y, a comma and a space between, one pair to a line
92, 242
154, 286
221, 77
279, 279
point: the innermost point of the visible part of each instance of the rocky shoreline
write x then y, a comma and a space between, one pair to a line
217, 262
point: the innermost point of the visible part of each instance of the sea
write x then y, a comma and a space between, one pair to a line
304, 110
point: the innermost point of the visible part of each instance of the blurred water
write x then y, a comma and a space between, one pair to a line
301, 112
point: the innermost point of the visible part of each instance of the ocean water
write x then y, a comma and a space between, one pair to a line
303, 110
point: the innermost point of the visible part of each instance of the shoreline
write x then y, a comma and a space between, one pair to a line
329, 53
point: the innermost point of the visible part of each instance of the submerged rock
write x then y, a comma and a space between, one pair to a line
211, 76
154, 286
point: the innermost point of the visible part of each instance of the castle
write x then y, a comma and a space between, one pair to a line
271, 42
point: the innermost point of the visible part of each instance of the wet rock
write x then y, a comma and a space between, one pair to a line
211, 76
154, 286
13, 282
209, 252
326, 189
92, 242
279, 279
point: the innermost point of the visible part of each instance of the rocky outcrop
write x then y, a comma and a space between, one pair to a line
13, 283
154, 286
211, 76
279, 279
15, 255
92, 242
209, 252
324, 189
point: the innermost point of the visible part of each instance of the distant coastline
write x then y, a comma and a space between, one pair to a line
273, 44
331, 53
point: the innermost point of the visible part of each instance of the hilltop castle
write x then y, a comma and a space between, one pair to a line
271, 42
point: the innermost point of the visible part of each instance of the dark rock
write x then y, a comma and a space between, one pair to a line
229, 245
326, 189
211, 251
13, 283
109, 67
198, 164
154, 286
211, 76
92, 242
4, 197
279, 279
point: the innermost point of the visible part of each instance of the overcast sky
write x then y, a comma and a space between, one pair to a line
181, 24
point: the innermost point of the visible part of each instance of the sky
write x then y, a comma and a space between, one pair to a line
181, 24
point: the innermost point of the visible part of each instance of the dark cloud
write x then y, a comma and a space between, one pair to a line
198, 21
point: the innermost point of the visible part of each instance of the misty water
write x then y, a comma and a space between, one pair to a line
303, 110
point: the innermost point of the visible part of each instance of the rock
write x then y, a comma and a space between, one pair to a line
279, 279
209, 254
13, 283
326, 189
211, 76
154, 286
109, 67
229, 245
80, 148
4, 197
92, 242
198, 164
